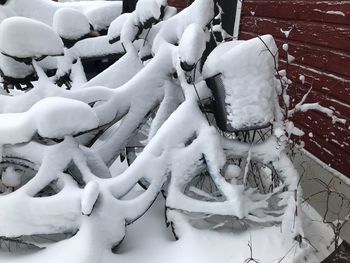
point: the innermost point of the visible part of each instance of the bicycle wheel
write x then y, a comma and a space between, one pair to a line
15, 172
138, 143
263, 176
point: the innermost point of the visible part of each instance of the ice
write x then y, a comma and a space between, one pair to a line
24, 38
70, 23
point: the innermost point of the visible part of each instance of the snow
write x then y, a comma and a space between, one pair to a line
290, 58
96, 47
144, 23
88, 200
101, 17
10, 177
149, 241
213, 61
286, 32
23, 37
338, 13
232, 171
146, 9
70, 23
56, 117
99, 13
14, 69
116, 26
248, 75
97, 204
199, 12
119, 73
50, 117
5, 12
188, 51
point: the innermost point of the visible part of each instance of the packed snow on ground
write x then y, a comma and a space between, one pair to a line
149, 241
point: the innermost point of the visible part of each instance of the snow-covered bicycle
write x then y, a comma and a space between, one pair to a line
57, 152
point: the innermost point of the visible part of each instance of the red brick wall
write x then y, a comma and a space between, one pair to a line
179, 4
320, 42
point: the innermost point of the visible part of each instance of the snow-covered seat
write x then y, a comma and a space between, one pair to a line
241, 75
71, 25
21, 41
51, 117
99, 13
24, 39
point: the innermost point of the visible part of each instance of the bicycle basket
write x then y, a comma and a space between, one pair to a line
219, 105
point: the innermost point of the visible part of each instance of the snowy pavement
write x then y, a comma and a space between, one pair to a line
149, 241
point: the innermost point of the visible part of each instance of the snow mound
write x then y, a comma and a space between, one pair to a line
56, 117
10, 177
192, 44
99, 13
5, 12
51, 118
116, 26
95, 47
147, 9
101, 17
199, 12
212, 64
14, 69
70, 23
89, 197
23, 37
248, 74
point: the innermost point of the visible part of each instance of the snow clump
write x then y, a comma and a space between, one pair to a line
70, 23
23, 38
